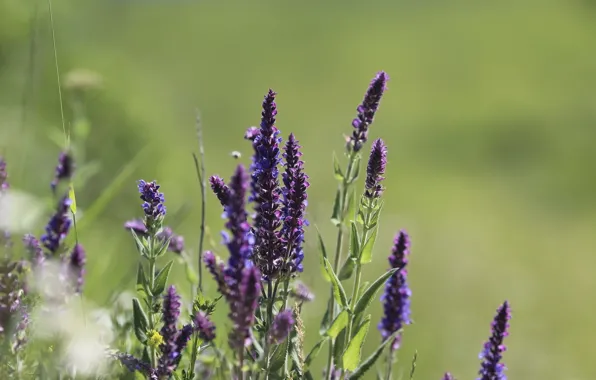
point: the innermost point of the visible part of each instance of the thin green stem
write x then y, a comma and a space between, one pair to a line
390, 357
151, 303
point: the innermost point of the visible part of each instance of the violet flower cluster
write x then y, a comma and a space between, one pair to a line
396, 299
492, 353
375, 170
175, 339
64, 169
58, 227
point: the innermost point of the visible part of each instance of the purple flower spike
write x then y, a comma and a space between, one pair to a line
268, 252
243, 308
133, 364
396, 299
58, 227
153, 203
170, 314
367, 110
376, 169
280, 329
448, 376
491, 355
204, 327
220, 189
294, 205
77, 266
36, 254
216, 268
64, 169
4, 185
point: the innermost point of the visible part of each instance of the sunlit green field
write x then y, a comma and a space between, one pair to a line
490, 119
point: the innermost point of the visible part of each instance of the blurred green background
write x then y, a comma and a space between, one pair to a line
490, 120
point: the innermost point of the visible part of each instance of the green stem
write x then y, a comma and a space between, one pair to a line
151, 302
390, 357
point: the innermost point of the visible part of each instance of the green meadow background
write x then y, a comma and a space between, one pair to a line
490, 119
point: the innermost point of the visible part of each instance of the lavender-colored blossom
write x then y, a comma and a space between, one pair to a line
64, 169
243, 308
294, 206
448, 376
302, 293
492, 353
251, 135
169, 332
36, 255
367, 110
182, 338
58, 226
204, 327
216, 268
153, 203
221, 190
268, 251
281, 326
4, 185
137, 225
77, 266
396, 299
176, 244
376, 169
133, 364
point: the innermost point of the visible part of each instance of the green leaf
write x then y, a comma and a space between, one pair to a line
325, 321
162, 279
367, 251
370, 293
323, 256
338, 290
279, 356
347, 269
141, 243
308, 376
337, 169
370, 361
140, 320
336, 217
339, 348
351, 357
339, 323
351, 209
142, 282
354, 241
356, 170
314, 352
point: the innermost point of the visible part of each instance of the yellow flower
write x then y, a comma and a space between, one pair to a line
154, 339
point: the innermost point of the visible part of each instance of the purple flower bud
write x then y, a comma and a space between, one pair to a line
36, 254
367, 110
243, 308
204, 327
153, 202
216, 268
251, 133
220, 189
133, 364
268, 251
176, 244
137, 225
4, 185
492, 353
64, 169
58, 227
280, 329
396, 299
77, 266
448, 376
302, 293
376, 169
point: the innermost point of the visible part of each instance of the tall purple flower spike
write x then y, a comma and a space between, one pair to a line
376, 169
294, 206
243, 308
221, 190
58, 227
492, 353
396, 299
367, 110
169, 332
268, 251
153, 204
77, 266
64, 169
204, 327
280, 329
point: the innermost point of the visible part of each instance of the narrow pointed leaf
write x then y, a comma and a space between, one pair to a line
367, 250
339, 323
141, 282
337, 169
336, 217
338, 290
356, 171
370, 361
347, 269
351, 357
314, 352
323, 257
354, 241
162, 279
325, 321
370, 293
279, 356
140, 320
351, 208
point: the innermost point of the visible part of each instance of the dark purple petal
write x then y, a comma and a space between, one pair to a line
64, 169
204, 327
170, 313
220, 189
376, 169
58, 226
396, 299
153, 202
216, 268
492, 353
367, 110
133, 364
77, 266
